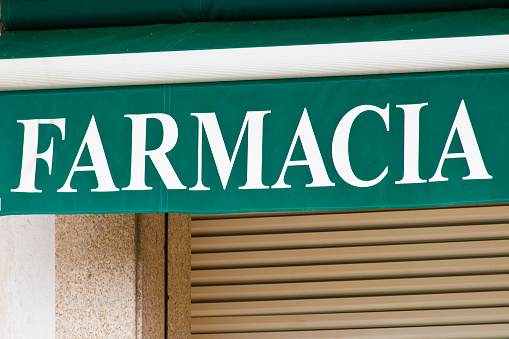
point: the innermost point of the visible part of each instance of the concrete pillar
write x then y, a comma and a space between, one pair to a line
110, 276
179, 276
27, 277
151, 275
116, 278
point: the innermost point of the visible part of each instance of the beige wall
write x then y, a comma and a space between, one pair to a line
27, 277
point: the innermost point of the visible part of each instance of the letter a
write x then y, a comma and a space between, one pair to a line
313, 157
471, 151
99, 162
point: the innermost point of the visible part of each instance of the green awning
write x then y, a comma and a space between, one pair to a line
50, 14
244, 34
395, 111
392, 141
254, 50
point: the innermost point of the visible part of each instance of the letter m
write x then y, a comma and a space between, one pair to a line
253, 122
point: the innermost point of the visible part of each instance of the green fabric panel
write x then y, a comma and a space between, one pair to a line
212, 35
327, 100
49, 14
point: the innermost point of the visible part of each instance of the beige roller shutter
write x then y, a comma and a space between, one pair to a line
440, 273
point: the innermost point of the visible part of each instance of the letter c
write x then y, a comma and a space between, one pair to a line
340, 141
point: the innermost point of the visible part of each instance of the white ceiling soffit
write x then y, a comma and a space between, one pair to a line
301, 61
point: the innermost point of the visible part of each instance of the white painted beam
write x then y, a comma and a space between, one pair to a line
280, 62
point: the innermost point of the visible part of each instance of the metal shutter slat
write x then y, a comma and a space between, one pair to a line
352, 304
491, 331
309, 256
350, 320
312, 223
350, 271
349, 238
350, 288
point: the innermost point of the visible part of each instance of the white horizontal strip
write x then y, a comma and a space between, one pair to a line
402, 56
